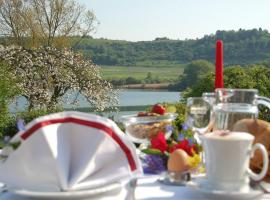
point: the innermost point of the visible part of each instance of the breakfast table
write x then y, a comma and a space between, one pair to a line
148, 188
120, 164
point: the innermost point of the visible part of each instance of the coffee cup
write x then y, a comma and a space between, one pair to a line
227, 156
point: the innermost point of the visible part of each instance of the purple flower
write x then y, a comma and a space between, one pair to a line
154, 164
185, 127
169, 128
21, 125
190, 142
181, 136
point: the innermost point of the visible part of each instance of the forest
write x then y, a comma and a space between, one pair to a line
240, 47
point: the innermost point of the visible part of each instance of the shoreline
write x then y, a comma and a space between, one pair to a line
120, 108
163, 86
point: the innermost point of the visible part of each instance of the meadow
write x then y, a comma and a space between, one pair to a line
164, 74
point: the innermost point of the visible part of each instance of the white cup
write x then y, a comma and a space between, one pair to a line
227, 160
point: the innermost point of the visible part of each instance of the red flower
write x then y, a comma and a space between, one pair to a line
159, 142
173, 148
184, 144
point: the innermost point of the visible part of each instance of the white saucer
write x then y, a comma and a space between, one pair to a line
81, 194
202, 186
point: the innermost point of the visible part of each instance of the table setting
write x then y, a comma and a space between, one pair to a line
74, 155
220, 150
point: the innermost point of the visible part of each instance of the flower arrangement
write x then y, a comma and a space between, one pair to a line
157, 154
164, 148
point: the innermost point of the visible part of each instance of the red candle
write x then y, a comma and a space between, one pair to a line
219, 65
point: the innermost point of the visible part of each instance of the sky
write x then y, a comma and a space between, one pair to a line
144, 20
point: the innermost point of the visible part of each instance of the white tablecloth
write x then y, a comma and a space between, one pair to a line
148, 189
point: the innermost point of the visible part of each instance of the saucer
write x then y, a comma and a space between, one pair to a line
80, 194
202, 186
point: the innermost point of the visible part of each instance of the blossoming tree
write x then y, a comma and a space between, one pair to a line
33, 23
45, 75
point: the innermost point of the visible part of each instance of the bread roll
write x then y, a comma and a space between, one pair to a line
261, 130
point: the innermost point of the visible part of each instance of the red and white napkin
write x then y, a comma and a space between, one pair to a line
70, 151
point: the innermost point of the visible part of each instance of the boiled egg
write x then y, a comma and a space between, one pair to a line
178, 161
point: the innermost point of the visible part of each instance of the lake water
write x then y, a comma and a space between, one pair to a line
126, 98
147, 97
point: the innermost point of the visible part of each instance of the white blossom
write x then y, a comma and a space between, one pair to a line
45, 75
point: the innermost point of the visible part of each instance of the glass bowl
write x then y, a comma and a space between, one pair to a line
142, 129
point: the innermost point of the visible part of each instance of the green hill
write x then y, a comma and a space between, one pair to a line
240, 47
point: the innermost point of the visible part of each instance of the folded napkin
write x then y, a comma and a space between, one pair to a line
70, 151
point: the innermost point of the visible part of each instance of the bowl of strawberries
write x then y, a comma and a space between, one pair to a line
146, 125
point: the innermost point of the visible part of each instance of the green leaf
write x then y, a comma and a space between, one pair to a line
15, 145
152, 151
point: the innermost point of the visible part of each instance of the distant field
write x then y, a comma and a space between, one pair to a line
121, 72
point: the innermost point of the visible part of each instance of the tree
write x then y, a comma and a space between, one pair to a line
234, 77
237, 77
149, 78
260, 78
8, 88
131, 80
255, 76
46, 74
206, 84
8, 91
194, 71
44, 22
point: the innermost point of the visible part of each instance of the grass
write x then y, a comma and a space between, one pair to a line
168, 74
160, 63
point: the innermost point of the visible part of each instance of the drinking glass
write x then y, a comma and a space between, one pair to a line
198, 114
209, 97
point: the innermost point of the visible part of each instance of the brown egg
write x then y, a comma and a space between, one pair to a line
178, 161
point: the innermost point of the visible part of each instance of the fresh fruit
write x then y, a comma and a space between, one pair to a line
171, 109
159, 109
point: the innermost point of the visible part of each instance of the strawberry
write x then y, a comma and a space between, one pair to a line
159, 109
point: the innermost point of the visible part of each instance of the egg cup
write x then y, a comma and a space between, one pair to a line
175, 178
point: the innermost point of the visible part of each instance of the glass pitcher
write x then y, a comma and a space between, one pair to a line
232, 105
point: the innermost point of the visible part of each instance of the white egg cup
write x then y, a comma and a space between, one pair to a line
175, 178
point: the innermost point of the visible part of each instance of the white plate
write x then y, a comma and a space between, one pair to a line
202, 186
81, 194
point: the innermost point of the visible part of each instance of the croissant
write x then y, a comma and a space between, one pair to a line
261, 130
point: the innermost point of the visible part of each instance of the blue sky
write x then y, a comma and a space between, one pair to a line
137, 20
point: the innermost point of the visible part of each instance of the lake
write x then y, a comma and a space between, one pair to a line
138, 97
147, 97
127, 98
